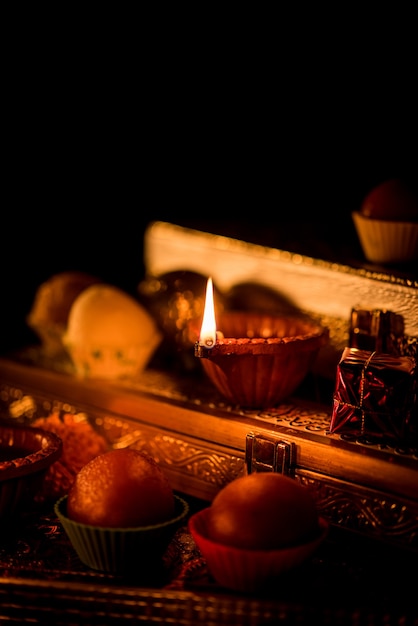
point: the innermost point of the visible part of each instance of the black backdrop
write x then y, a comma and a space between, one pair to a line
84, 175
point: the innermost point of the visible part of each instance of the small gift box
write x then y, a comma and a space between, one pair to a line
376, 330
375, 396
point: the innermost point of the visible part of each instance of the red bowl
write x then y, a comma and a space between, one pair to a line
246, 570
26, 453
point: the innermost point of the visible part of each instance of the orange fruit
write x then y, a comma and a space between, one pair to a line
121, 489
263, 510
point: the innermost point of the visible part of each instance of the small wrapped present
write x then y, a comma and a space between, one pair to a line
375, 396
376, 330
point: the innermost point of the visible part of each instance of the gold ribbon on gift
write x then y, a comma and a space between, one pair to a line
362, 382
361, 393
359, 406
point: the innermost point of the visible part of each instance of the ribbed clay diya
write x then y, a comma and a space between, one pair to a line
259, 359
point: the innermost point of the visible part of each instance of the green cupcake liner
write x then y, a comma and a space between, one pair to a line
120, 550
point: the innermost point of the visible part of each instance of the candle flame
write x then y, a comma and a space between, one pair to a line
208, 329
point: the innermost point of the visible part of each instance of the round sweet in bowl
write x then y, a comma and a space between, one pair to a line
121, 488
246, 570
26, 454
258, 527
261, 358
121, 512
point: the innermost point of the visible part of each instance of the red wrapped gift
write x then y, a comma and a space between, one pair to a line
375, 396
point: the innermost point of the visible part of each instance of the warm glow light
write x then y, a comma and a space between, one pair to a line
208, 330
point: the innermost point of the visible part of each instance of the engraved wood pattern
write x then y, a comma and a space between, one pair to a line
200, 468
365, 511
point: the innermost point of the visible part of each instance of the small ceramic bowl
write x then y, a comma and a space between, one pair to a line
262, 358
386, 241
245, 570
121, 550
26, 454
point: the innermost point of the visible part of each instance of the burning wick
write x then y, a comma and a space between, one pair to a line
208, 331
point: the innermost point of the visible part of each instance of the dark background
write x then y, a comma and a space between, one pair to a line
257, 145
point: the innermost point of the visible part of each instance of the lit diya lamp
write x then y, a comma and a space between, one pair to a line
176, 300
257, 359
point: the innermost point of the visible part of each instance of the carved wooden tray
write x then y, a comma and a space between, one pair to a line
202, 443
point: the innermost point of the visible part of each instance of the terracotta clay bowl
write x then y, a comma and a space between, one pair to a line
261, 358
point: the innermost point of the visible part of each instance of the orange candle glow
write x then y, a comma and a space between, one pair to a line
208, 330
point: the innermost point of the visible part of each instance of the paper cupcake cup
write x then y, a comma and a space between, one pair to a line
386, 241
121, 550
244, 570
